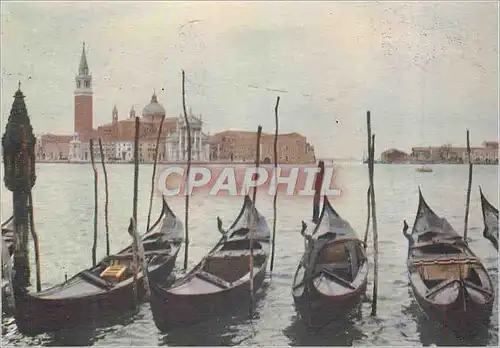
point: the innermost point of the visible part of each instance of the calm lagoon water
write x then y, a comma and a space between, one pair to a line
63, 198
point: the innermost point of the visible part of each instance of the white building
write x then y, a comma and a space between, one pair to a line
176, 142
124, 150
76, 149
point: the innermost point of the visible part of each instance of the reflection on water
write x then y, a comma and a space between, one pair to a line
81, 336
339, 333
227, 330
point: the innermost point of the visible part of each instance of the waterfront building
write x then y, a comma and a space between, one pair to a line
176, 144
488, 153
393, 156
240, 146
117, 136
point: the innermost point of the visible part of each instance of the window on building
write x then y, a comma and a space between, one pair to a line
87, 84
79, 84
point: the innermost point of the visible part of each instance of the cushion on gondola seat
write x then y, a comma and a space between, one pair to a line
444, 271
116, 273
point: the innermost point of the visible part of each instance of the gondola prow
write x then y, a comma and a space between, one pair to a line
304, 228
219, 227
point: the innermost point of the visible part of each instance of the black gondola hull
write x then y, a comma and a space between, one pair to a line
318, 310
448, 281
463, 316
37, 315
170, 310
221, 281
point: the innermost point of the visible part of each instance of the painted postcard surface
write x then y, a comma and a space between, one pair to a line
249, 173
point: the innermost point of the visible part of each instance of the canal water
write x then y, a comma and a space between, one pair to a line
64, 206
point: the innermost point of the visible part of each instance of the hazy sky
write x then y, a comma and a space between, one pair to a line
427, 71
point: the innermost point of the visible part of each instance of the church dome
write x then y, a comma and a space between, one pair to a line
153, 109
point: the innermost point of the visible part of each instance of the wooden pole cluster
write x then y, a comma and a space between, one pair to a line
466, 222
275, 179
34, 235
154, 172
106, 202
252, 219
371, 152
186, 217
94, 246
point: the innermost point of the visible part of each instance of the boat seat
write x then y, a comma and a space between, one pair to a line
95, 280
129, 256
227, 254
342, 270
213, 279
337, 278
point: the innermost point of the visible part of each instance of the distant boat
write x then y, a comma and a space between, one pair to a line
425, 169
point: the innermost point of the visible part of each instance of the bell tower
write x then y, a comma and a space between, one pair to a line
83, 97
115, 115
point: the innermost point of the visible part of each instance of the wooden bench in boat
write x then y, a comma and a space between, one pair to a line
329, 273
131, 255
229, 254
451, 242
213, 279
446, 260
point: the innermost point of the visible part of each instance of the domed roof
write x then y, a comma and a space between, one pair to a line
153, 109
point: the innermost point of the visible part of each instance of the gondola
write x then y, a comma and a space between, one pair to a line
331, 277
490, 217
449, 283
103, 290
221, 281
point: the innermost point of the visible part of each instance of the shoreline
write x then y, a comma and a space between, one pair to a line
249, 163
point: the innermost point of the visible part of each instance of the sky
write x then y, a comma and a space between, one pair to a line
427, 71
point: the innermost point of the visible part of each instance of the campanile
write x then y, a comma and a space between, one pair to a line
83, 98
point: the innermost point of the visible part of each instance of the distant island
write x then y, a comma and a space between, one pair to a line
444, 154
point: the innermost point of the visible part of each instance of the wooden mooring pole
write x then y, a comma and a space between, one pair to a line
368, 207
469, 185
106, 202
154, 172
252, 217
275, 179
94, 245
371, 149
188, 170
133, 223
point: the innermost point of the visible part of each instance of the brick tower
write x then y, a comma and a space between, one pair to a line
83, 98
